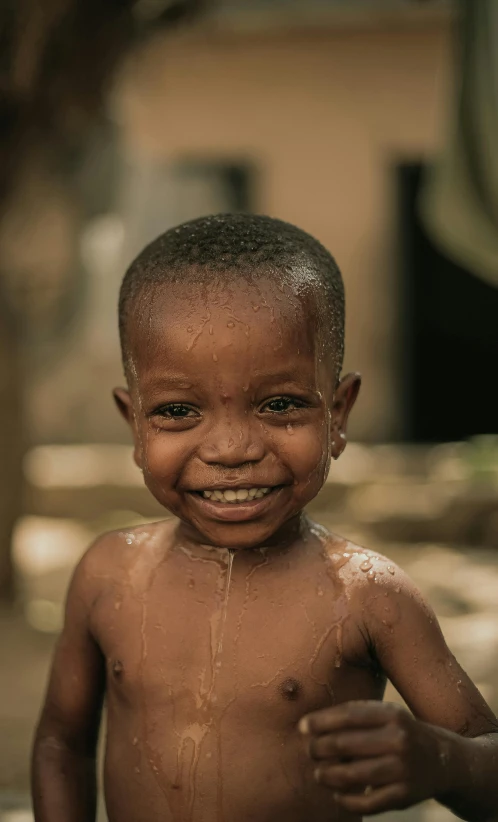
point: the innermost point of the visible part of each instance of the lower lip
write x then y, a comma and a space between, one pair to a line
236, 511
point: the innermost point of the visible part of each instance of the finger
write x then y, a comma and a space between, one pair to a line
358, 714
387, 798
354, 776
354, 744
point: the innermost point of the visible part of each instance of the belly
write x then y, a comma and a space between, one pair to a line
223, 767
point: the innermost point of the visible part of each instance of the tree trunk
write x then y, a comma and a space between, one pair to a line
11, 446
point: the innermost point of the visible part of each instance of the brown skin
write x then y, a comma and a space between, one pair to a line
209, 658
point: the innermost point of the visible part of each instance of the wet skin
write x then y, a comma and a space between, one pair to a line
213, 635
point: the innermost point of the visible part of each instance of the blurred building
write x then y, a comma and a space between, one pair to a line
305, 111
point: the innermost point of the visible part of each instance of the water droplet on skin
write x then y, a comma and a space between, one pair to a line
135, 740
256, 307
365, 565
230, 324
444, 757
390, 569
129, 540
215, 357
346, 554
231, 443
189, 329
371, 575
117, 668
137, 770
211, 329
289, 428
398, 589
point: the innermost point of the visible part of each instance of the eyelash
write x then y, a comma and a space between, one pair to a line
165, 410
298, 404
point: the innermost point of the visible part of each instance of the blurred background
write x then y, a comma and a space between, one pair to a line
373, 124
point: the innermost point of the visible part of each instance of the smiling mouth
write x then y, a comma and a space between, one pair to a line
235, 496
236, 504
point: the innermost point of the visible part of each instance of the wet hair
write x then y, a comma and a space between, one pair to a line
234, 247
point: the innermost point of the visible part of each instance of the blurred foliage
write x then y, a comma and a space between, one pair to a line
57, 58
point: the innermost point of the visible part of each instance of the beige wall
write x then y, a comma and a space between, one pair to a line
324, 115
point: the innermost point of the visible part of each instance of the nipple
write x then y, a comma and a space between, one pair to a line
290, 689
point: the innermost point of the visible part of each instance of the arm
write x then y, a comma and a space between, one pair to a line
379, 757
441, 695
64, 753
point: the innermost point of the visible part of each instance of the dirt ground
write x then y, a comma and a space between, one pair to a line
462, 586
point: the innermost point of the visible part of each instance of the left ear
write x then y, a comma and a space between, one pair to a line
344, 399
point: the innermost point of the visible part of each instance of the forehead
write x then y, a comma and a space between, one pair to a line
243, 317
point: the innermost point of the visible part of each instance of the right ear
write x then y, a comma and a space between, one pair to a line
123, 402
124, 405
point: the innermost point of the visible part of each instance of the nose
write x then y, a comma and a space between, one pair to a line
232, 443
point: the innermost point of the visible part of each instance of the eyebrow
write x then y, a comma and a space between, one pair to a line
175, 381
285, 377
180, 382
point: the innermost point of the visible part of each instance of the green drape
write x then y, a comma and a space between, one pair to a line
459, 200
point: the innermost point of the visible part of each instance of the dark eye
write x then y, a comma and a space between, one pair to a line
176, 411
282, 405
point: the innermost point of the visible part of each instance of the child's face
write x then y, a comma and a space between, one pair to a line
229, 398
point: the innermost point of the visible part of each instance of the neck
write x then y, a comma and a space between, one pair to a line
293, 531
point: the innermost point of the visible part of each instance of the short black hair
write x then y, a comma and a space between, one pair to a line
240, 246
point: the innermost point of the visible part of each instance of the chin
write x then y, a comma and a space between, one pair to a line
236, 537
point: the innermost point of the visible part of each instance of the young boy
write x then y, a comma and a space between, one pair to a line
243, 651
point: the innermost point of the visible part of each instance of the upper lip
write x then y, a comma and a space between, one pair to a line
235, 486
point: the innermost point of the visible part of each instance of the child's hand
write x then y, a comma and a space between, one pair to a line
374, 755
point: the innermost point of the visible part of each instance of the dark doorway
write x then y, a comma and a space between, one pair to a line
450, 331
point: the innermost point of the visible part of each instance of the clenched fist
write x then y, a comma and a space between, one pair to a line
376, 756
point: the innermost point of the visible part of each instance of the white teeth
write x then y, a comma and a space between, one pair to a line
240, 495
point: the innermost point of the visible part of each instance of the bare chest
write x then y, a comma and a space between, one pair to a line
202, 639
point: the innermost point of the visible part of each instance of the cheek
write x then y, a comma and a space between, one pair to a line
163, 457
306, 451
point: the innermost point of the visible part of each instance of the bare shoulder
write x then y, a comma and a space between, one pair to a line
110, 559
370, 576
